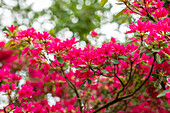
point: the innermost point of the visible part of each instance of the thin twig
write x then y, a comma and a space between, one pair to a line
130, 95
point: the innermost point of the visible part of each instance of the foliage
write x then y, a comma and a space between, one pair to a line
131, 78
80, 16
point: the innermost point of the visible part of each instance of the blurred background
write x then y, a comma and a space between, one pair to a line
67, 18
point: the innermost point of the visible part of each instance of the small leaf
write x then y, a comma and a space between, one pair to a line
114, 61
168, 62
95, 66
82, 65
20, 53
25, 54
103, 2
163, 93
157, 83
54, 88
89, 81
25, 98
123, 57
158, 59
93, 75
120, 13
107, 64
60, 81
78, 68
48, 84
149, 53
85, 70
164, 45
156, 49
167, 55
155, 75
82, 85
8, 43
31, 46
42, 66
38, 66
104, 71
59, 59
5, 29
119, 3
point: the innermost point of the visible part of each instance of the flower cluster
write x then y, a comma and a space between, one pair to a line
60, 77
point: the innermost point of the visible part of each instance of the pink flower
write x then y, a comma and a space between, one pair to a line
140, 27
12, 28
167, 94
13, 86
162, 12
113, 40
168, 80
18, 110
26, 91
94, 34
43, 36
6, 87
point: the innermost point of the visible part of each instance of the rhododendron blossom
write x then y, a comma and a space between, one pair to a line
94, 34
60, 77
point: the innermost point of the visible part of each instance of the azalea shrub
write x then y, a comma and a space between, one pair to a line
132, 77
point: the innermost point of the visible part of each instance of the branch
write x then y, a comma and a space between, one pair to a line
130, 95
72, 86
75, 90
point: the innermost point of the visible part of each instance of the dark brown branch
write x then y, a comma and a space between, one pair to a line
71, 85
130, 95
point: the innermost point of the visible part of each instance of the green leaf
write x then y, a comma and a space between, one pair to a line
120, 13
20, 53
123, 57
60, 81
82, 85
42, 66
82, 65
93, 75
5, 29
163, 93
104, 71
168, 62
31, 46
155, 75
54, 88
89, 81
78, 68
59, 59
25, 54
107, 64
103, 2
48, 84
119, 3
149, 53
94, 66
158, 59
38, 66
114, 61
157, 83
85, 70
156, 49
164, 45
25, 98
167, 55
8, 43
